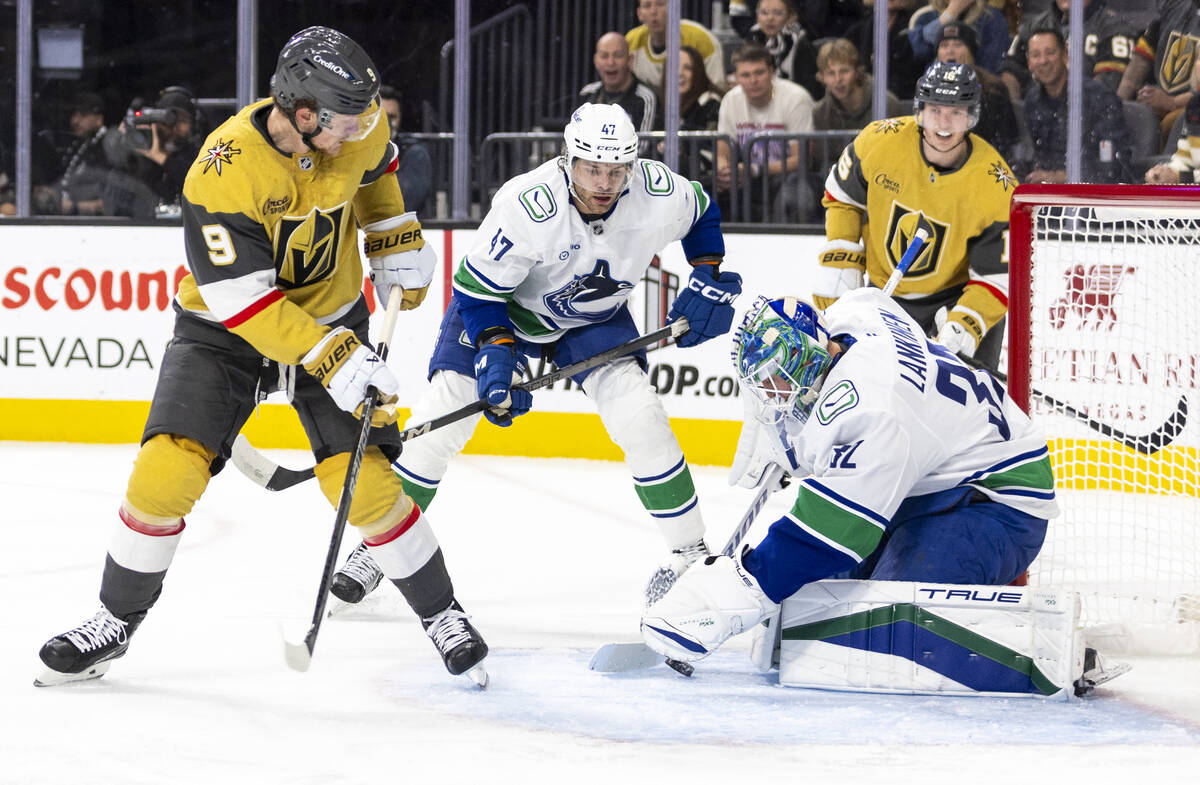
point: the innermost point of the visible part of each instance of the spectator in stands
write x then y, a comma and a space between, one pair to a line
763, 102
614, 64
69, 168
925, 28
1109, 42
415, 169
820, 18
648, 43
997, 120
848, 90
779, 30
150, 161
699, 108
1106, 141
902, 68
1173, 36
1184, 166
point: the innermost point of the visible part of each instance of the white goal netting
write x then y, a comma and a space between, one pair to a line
1113, 327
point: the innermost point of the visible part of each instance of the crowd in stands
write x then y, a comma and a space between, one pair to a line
798, 67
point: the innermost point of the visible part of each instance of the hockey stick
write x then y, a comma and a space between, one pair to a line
620, 657
299, 655
270, 475
924, 232
1146, 445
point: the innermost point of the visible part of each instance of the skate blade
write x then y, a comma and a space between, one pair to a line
52, 678
479, 676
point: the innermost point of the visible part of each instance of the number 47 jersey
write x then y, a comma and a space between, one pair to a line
900, 416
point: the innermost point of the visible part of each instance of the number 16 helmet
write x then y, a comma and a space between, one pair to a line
949, 84
780, 355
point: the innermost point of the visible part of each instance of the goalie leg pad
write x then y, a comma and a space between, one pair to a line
425, 459
636, 421
931, 639
379, 501
169, 474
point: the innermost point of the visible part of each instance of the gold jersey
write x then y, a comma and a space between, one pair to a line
272, 237
882, 184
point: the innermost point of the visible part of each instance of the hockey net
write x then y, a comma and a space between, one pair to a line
1104, 315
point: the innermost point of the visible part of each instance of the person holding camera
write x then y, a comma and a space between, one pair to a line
151, 153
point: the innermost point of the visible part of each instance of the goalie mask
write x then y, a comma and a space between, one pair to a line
322, 67
602, 133
780, 355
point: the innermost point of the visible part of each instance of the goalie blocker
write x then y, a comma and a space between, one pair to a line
929, 639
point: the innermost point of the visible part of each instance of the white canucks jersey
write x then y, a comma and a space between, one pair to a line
899, 416
554, 270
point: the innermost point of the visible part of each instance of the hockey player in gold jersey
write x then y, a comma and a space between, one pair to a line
271, 212
900, 169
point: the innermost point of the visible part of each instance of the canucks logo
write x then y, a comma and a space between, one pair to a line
594, 296
1004, 177
306, 249
219, 154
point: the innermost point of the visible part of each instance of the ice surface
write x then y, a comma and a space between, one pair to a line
549, 557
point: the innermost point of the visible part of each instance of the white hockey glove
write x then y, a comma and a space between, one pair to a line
399, 256
841, 268
955, 333
754, 453
346, 368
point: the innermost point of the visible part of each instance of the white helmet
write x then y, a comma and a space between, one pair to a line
601, 132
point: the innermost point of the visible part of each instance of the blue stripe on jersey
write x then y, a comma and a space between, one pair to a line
865, 512
659, 477
675, 513
1007, 462
483, 279
410, 475
704, 238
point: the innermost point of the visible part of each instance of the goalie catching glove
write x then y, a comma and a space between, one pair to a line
707, 303
498, 367
346, 368
400, 257
842, 265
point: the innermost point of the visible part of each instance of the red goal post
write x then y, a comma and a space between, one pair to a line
1104, 315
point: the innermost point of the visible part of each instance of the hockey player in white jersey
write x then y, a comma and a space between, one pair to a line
910, 466
550, 274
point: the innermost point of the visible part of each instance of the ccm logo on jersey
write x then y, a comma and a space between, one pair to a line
973, 595
711, 292
377, 244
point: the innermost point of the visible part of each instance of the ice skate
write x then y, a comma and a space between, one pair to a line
671, 568
86, 652
712, 602
357, 578
460, 644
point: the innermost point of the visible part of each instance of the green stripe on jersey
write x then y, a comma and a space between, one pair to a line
833, 522
668, 494
906, 612
1038, 475
702, 199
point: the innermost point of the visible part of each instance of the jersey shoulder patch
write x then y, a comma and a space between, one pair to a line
657, 178
538, 202
841, 397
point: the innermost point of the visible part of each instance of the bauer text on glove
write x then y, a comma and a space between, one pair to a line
346, 368
707, 304
399, 256
497, 368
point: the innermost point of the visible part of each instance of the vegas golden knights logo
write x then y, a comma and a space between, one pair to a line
306, 249
902, 226
1175, 71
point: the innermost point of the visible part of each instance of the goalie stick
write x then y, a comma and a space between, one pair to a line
620, 657
1146, 445
263, 471
298, 655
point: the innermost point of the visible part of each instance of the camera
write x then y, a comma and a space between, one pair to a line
139, 118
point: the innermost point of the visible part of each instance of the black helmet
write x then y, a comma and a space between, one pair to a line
949, 84
325, 66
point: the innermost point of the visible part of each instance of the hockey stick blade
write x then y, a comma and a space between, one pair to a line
264, 472
1148, 444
